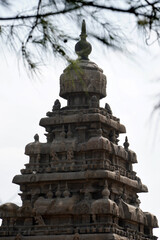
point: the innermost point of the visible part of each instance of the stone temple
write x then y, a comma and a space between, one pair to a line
80, 184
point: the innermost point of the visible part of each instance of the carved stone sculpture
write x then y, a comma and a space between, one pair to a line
57, 105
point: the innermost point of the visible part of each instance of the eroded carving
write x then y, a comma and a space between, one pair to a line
18, 237
76, 236
57, 105
94, 103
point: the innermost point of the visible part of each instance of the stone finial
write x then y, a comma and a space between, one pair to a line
50, 193
83, 48
57, 105
63, 134
126, 144
99, 132
108, 108
58, 192
69, 133
36, 137
124, 195
106, 192
66, 192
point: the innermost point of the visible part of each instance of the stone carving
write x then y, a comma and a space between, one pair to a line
107, 107
58, 192
87, 194
38, 158
50, 193
112, 136
39, 220
69, 133
70, 156
91, 75
41, 205
126, 144
33, 177
26, 208
106, 192
63, 134
82, 208
76, 236
18, 237
57, 105
36, 137
8, 209
94, 103
49, 137
117, 175
54, 158
12, 222
66, 193
28, 221
83, 48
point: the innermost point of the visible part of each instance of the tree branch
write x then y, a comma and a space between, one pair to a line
131, 10
22, 17
36, 21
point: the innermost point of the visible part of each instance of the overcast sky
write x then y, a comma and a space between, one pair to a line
132, 86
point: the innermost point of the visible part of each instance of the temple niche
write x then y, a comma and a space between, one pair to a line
79, 184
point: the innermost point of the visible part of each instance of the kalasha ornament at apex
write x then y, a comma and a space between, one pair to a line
80, 184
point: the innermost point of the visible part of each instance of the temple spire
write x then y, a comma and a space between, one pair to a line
83, 32
83, 48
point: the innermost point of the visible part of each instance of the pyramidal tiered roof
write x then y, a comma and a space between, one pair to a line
80, 184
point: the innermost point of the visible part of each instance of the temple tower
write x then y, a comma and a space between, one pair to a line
80, 184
